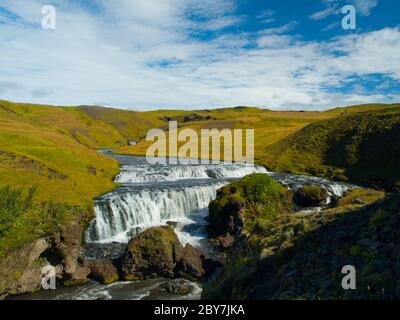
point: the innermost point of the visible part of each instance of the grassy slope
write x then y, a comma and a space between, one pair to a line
269, 126
53, 148
130, 124
362, 145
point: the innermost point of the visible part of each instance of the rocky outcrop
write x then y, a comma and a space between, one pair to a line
157, 252
103, 270
300, 257
194, 265
67, 243
226, 217
178, 286
242, 205
21, 269
154, 252
191, 265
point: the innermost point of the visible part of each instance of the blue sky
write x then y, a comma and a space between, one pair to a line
149, 54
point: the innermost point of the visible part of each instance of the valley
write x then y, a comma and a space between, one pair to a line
55, 151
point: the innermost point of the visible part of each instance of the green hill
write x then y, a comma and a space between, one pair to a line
130, 124
362, 146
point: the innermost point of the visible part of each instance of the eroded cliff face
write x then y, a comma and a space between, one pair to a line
21, 269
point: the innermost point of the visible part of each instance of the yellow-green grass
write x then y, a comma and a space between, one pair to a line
64, 170
361, 108
131, 125
269, 126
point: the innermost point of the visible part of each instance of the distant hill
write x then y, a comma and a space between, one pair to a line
361, 108
130, 124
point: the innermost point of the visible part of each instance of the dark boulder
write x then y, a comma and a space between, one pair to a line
191, 264
154, 252
310, 196
178, 286
103, 270
157, 252
194, 265
226, 216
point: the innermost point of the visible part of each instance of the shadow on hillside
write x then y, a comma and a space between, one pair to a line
367, 238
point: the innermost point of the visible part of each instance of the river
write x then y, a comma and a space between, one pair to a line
153, 195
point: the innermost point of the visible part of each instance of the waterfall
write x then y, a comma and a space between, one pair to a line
146, 173
119, 213
152, 195
295, 182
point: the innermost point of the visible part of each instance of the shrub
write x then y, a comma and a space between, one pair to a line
13, 203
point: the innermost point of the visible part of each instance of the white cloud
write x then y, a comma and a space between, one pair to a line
332, 7
319, 15
274, 41
266, 16
8, 86
281, 29
364, 7
145, 56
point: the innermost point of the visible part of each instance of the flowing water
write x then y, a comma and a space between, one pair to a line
159, 194
153, 195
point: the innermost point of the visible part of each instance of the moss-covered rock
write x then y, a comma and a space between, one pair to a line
20, 268
157, 252
310, 196
240, 205
103, 270
154, 252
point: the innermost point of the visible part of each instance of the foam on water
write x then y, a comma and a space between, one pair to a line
156, 194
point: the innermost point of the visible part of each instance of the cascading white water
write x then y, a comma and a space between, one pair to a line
155, 194
146, 173
295, 182
119, 213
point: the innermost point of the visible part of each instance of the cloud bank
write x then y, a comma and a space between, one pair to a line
148, 54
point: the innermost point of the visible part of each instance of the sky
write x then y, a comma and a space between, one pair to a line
193, 54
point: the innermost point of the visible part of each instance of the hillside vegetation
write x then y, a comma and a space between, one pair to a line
362, 147
269, 126
301, 256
